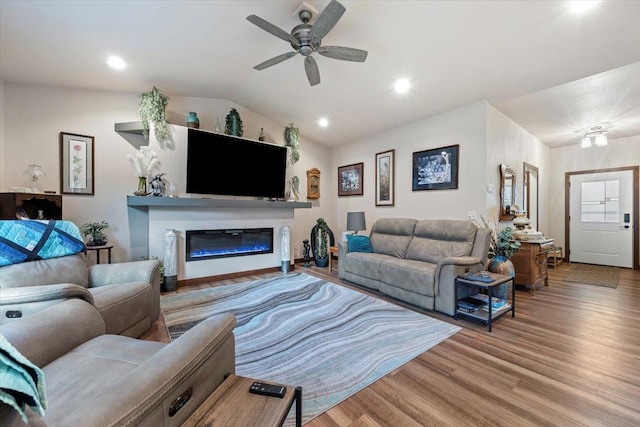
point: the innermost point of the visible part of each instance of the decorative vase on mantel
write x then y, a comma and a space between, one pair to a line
502, 265
142, 186
193, 121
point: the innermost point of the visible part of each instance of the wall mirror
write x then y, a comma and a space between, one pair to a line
530, 194
507, 193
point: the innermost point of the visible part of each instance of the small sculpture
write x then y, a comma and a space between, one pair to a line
157, 185
305, 252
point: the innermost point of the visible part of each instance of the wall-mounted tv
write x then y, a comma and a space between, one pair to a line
231, 166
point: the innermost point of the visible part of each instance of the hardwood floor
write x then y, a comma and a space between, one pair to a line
570, 357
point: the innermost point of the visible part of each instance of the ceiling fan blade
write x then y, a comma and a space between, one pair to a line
311, 68
343, 53
271, 29
275, 60
326, 20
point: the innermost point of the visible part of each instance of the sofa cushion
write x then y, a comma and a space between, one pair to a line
391, 236
363, 264
359, 243
410, 275
437, 239
68, 269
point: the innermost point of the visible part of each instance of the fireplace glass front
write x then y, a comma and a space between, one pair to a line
211, 244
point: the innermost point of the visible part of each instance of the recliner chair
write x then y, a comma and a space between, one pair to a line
126, 294
96, 379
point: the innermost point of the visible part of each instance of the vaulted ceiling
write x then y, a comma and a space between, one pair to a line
553, 71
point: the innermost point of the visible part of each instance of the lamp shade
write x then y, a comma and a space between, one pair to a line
356, 221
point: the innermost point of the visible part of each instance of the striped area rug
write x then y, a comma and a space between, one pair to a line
300, 330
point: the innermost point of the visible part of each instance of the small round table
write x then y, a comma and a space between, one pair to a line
97, 249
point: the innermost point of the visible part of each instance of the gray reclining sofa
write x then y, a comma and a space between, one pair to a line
417, 261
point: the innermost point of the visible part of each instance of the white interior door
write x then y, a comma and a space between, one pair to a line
600, 223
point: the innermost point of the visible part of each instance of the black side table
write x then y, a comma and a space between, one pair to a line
487, 318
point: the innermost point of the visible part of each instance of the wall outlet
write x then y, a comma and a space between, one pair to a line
471, 215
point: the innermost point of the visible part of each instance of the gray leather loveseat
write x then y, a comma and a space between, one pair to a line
417, 261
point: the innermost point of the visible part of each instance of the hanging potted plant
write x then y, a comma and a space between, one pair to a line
153, 105
321, 239
94, 230
291, 136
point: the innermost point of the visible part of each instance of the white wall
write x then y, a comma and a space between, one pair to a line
510, 144
34, 116
621, 152
464, 126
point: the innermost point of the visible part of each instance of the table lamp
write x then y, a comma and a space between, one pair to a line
356, 222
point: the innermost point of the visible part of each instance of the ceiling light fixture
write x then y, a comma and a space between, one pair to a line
402, 85
582, 6
598, 134
116, 63
323, 122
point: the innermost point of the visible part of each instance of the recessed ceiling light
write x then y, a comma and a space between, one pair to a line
582, 5
116, 63
323, 122
402, 85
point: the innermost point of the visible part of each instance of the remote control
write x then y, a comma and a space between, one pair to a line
268, 389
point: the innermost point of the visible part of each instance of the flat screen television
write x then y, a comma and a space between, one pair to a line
231, 166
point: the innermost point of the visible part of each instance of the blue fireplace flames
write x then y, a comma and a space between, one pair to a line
211, 244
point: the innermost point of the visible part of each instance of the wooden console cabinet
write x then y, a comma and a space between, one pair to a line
530, 263
31, 203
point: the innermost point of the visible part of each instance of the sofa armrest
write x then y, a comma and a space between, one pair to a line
28, 294
445, 275
51, 333
343, 249
134, 271
199, 360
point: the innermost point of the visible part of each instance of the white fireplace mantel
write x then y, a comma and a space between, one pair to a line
139, 207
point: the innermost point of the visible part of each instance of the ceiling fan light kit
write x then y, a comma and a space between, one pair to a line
306, 39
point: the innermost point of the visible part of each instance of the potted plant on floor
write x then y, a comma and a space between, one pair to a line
321, 239
95, 231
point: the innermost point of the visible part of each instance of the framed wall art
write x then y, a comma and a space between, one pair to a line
313, 183
436, 169
385, 178
76, 164
350, 179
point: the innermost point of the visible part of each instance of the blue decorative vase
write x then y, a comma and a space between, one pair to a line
502, 265
193, 121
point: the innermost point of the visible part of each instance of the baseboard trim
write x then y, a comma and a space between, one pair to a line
206, 279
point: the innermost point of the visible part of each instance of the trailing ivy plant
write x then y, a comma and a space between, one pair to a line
233, 123
291, 135
152, 109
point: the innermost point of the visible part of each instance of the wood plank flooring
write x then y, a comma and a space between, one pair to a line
570, 357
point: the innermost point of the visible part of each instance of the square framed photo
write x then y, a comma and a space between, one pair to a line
76, 164
350, 179
436, 169
385, 178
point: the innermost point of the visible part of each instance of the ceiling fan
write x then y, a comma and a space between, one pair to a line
306, 39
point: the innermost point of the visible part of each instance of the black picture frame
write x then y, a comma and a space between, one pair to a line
76, 164
350, 179
436, 169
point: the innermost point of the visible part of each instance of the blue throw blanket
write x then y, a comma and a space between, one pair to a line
22, 240
21, 382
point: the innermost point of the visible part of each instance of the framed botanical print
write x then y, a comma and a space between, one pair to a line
385, 180
436, 169
313, 183
350, 180
76, 164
